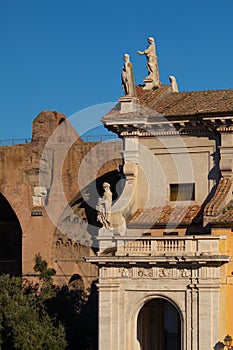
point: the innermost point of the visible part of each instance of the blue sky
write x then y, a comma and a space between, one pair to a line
67, 55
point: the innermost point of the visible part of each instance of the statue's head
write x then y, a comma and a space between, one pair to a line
106, 186
126, 57
151, 40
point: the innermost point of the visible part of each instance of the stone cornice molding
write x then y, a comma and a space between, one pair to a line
202, 124
193, 260
162, 132
225, 129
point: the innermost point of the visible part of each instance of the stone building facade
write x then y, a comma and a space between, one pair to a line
165, 273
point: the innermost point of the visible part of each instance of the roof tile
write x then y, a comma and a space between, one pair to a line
165, 215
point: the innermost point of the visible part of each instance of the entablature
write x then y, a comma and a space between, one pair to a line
197, 250
137, 124
165, 260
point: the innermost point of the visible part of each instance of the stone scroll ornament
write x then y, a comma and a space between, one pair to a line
127, 78
152, 63
104, 206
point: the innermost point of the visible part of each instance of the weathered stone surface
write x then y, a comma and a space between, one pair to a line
36, 178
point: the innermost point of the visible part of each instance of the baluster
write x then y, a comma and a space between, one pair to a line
132, 246
161, 246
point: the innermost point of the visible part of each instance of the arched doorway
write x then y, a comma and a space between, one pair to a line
159, 326
10, 240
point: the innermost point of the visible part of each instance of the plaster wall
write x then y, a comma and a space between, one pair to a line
164, 161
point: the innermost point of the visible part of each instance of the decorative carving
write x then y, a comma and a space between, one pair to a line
73, 224
163, 272
185, 273
152, 65
127, 77
68, 243
142, 272
40, 194
104, 207
124, 272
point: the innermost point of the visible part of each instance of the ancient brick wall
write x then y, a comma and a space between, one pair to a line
57, 153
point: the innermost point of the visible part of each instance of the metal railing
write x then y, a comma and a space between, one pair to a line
99, 138
12, 142
85, 138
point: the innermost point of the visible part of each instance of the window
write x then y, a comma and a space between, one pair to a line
182, 192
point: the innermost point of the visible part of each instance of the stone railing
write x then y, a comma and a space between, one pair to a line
142, 246
152, 246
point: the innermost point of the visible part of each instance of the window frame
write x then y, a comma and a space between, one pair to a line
180, 192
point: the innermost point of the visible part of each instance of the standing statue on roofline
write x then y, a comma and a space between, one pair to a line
127, 79
152, 64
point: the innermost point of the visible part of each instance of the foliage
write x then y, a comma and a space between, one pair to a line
43, 316
41, 266
77, 310
24, 321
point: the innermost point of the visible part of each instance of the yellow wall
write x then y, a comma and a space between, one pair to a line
226, 290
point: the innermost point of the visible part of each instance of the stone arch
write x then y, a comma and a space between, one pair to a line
10, 240
61, 121
75, 234
135, 315
76, 282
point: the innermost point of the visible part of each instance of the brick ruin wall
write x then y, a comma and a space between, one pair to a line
20, 170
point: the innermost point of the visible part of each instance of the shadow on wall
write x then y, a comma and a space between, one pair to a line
219, 346
78, 311
10, 240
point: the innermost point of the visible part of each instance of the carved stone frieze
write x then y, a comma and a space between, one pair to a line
125, 272
150, 273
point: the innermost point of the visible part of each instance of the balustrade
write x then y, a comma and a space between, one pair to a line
161, 245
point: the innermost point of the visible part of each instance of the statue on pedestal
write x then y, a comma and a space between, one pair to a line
127, 79
152, 64
104, 207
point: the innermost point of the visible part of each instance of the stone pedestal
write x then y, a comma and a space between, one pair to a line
151, 84
106, 239
128, 104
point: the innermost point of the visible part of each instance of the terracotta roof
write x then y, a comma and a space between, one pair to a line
164, 102
226, 216
220, 207
185, 103
213, 208
173, 215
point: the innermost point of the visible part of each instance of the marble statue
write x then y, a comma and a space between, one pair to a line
173, 83
152, 63
127, 77
104, 206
